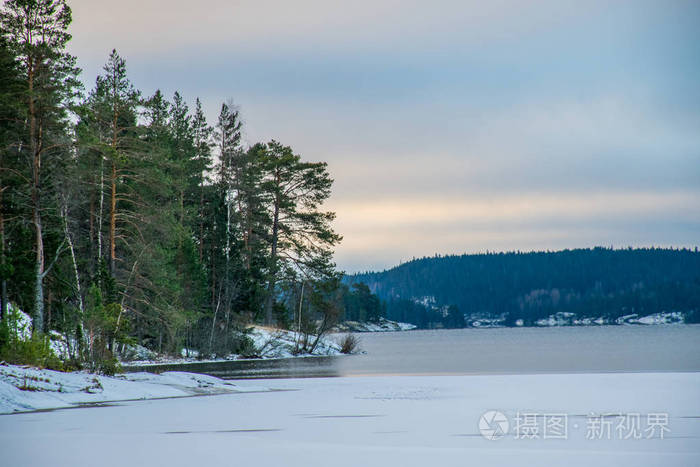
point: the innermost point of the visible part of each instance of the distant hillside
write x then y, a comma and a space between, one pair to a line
567, 286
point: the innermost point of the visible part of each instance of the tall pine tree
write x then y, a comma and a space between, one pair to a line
37, 32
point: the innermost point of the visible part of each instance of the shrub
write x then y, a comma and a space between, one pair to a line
243, 345
350, 344
35, 352
109, 366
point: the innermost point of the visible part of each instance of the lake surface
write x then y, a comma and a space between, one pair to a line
414, 398
591, 349
370, 421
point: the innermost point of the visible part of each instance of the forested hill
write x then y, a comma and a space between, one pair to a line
589, 283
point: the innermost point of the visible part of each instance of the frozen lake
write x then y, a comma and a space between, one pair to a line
489, 351
605, 396
379, 421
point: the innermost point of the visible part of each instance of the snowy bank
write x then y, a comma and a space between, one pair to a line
383, 325
268, 343
278, 343
25, 388
571, 319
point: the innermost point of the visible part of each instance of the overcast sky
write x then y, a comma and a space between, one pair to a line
448, 126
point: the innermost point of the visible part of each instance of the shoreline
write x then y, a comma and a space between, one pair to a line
144, 386
24, 388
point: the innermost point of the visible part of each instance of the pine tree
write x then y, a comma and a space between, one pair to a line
254, 219
37, 33
301, 237
116, 105
182, 152
227, 136
201, 164
10, 129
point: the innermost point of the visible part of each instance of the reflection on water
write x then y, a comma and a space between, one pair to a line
484, 351
303, 367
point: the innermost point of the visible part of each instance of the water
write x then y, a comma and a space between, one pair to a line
593, 349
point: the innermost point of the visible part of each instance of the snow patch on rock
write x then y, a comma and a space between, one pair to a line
383, 325
279, 343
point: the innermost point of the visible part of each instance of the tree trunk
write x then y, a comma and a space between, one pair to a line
113, 180
248, 236
92, 230
101, 211
3, 280
36, 208
49, 309
38, 271
113, 220
213, 274
227, 270
201, 223
213, 324
273, 262
78, 289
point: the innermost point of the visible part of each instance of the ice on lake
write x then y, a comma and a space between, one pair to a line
396, 420
633, 415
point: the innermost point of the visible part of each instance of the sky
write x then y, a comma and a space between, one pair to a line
448, 126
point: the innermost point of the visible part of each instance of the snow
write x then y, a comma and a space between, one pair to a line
22, 322
268, 342
373, 421
569, 319
674, 317
25, 388
486, 322
60, 345
186, 353
558, 319
138, 352
277, 343
383, 325
427, 301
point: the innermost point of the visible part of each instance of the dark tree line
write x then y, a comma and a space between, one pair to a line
127, 218
599, 282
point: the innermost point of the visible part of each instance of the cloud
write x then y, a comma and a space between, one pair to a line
385, 231
449, 125
164, 26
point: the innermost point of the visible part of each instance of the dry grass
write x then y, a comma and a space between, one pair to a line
350, 344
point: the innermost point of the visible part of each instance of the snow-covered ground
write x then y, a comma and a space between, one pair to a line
25, 388
277, 343
383, 325
382, 421
657, 318
570, 319
269, 343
